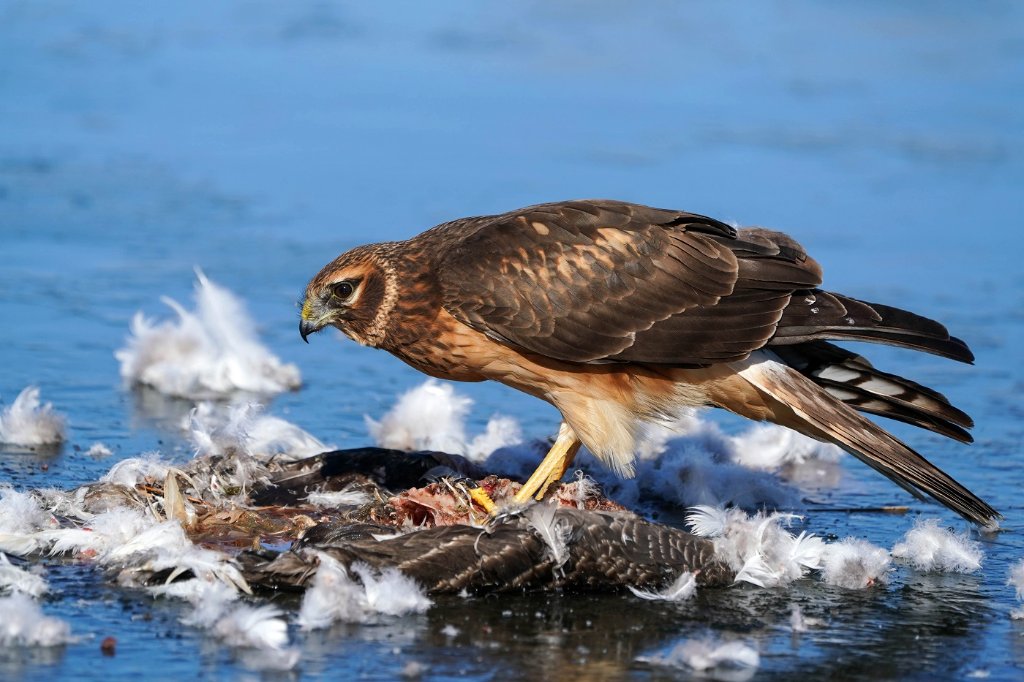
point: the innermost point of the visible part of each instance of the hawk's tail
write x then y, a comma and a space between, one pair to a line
815, 315
853, 380
817, 413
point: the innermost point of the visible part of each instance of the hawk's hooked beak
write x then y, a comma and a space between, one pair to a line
308, 323
306, 328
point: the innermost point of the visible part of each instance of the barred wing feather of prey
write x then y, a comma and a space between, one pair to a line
610, 282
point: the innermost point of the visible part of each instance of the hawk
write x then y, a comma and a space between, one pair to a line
619, 314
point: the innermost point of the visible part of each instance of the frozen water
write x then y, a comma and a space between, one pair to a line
257, 140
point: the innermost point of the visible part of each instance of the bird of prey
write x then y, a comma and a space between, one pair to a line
619, 314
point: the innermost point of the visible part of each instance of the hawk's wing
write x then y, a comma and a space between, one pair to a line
593, 281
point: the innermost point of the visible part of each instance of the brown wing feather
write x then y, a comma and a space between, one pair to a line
607, 281
600, 281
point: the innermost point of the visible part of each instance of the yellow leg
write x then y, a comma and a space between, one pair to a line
553, 467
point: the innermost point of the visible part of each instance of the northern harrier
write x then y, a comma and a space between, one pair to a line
619, 314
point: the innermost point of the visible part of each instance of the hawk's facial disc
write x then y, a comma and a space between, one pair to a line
330, 305
348, 294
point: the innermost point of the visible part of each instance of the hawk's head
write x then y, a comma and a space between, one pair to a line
355, 292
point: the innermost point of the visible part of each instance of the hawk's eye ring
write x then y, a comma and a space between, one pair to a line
343, 290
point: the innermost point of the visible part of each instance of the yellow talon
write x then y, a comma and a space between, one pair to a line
481, 497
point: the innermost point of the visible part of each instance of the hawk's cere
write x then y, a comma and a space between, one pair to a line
619, 314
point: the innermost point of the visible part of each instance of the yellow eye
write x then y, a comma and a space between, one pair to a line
343, 290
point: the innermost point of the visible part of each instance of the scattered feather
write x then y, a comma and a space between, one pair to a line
1016, 580
21, 518
855, 564
138, 543
216, 429
684, 587
259, 627
930, 548
414, 670
333, 596
270, 436
25, 422
796, 619
769, 447
23, 623
500, 432
348, 497
134, 470
757, 547
224, 436
109, 532
15, 579
391, 592
584, 488
99, 450
707, 521
432, 416
259, 630
689, 464
553, 531
210, 352
685, 461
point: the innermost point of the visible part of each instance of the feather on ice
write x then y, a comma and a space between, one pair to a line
211, 352
26, 422
334, 596
23, 623
681, 589
930, 548
432, 416
15, 579
1016, 580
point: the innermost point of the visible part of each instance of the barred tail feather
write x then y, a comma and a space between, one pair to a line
820, 415
855, 381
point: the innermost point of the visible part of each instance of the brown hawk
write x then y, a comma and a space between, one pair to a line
619, 314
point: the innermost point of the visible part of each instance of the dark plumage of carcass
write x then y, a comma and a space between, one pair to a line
433, 535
